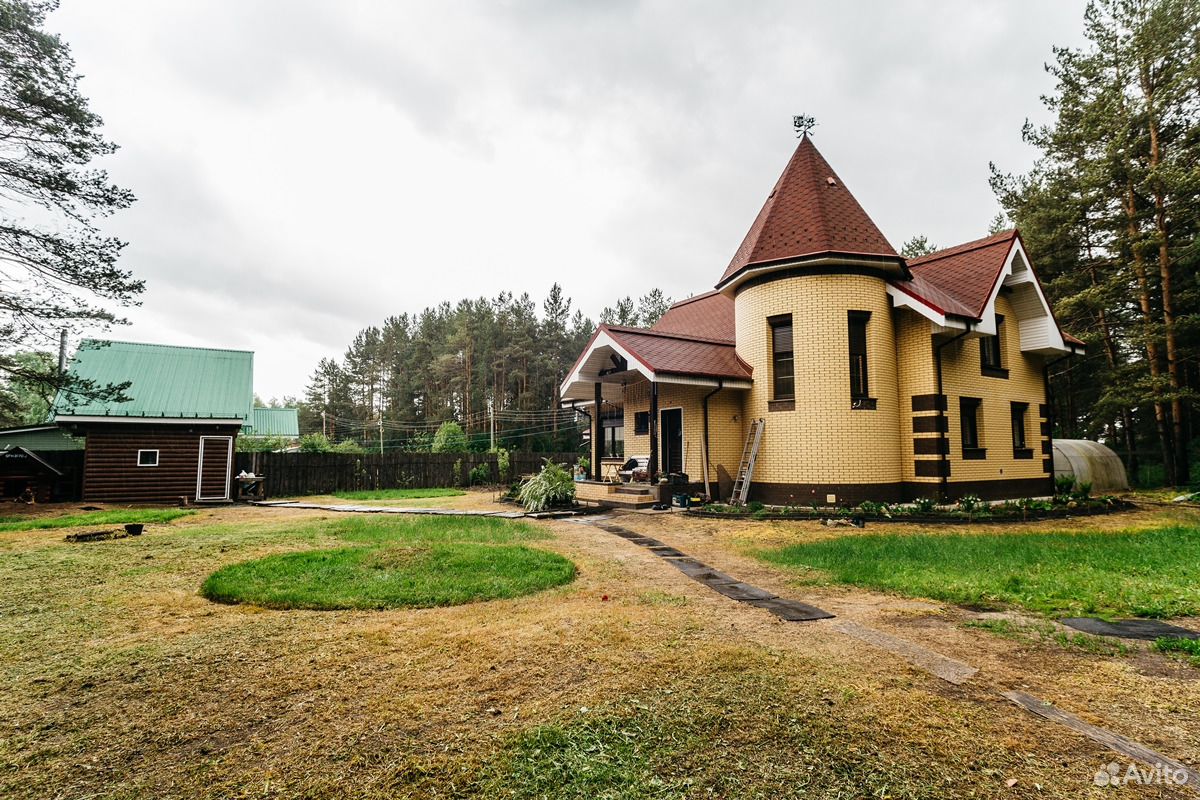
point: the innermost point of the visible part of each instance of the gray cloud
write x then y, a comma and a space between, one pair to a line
306, 168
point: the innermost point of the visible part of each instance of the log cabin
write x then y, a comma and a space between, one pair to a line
172, 438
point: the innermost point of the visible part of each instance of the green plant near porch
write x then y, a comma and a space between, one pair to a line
552, 487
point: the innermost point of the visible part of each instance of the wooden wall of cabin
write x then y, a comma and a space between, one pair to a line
111, 473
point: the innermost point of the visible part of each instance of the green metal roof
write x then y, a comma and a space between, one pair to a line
166, 381
39, 438
273, 422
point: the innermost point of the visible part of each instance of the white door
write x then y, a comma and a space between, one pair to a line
216, 464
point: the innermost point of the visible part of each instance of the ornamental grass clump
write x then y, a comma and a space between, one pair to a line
551, 488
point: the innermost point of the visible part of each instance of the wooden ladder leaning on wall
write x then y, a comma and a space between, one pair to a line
745, 473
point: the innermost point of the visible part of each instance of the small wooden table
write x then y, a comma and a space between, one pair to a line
251, 488
610, 469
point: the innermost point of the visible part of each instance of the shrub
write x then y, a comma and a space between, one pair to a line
481, 474
315, 443
970, 504
1064, 484
449, 439
871, 507
503, 464
347, 446
754, 506
1083, 490
924, 504
551, 487
262, 444
456, 471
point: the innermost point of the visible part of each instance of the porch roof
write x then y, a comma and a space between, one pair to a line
617, 353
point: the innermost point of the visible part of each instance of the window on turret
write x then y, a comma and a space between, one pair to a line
782, 365
859, 387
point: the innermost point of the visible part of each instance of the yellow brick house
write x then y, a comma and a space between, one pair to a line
874, 377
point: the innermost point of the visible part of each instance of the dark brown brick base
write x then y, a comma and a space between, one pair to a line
805, 494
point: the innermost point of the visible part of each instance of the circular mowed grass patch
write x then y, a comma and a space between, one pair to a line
419, 576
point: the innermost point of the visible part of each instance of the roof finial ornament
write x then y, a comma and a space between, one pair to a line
803, 125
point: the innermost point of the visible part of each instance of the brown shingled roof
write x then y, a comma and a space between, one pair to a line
963, 275
708, 315
809, 212
677, 354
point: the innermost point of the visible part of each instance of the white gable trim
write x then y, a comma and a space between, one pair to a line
603, 339
1039, 331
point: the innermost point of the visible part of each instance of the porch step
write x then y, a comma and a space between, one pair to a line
633, 490
617, 500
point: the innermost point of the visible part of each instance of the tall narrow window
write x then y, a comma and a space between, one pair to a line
991, 350
1019, 413
612, 424
782, 365
968, 412
857, 323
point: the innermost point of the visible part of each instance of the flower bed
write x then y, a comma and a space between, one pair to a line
969, 509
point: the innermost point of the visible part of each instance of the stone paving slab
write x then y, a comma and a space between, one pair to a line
1144, 629
791, 610
946, 668
741, 591
727, 585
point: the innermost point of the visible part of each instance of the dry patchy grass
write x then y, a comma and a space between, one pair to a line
120, 680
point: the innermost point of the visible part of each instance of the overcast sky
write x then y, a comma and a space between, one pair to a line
305, 169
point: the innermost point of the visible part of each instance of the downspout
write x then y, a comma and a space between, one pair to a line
704, 449
1050, 410
944, 425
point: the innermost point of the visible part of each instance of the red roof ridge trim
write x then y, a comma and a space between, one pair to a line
694, 298
965, 247
666, 334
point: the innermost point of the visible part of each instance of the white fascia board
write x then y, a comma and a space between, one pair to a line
603, 339
154, 420
902, 299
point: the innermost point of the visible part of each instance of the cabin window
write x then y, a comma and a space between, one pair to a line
782, 365
991, 352
860, 389
1020, 411
612, 427
147, 458
641, 423
969, 418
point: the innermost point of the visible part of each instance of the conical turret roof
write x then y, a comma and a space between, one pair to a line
810, 212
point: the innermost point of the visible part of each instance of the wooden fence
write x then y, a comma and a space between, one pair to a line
297, 474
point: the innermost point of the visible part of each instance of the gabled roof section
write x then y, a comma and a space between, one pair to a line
809, 213
166, 382
957, 288
966, 273
616, 353
678, 354
283, 422
708, 315
39, 438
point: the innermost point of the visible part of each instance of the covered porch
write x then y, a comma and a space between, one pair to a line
669, 402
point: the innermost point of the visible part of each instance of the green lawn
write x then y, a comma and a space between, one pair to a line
401, 562
399, 494
143, 515
1153, 573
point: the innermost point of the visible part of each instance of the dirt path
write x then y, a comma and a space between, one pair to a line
1143, 697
